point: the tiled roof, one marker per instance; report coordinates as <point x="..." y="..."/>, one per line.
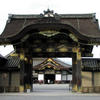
<point x="12" y="62"/>
<point x="37" y="61"/>
<point x="88" y="64"/>
<point x="62" y="63"/>
<point x="85" y="24"/>
<point x="91" y="64"/>
<point x="54" y="63"/>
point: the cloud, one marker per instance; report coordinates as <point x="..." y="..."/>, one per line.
<point x="96" y="52"/>
<point x="6" y="50"/>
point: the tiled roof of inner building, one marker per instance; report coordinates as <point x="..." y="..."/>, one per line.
<point x="61" y="64"/>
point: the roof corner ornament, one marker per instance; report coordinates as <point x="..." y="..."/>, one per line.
<point x="9" y="18"/>
<point x="94" y="17"/>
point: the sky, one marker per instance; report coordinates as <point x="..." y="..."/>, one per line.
<point x="38" y="6"/>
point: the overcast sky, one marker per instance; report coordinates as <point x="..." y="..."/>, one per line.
<point x="37" y="7"/>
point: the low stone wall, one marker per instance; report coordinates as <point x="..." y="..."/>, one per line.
<point x="9" y="83"/>
<point x="91" y="89"/>
<point x="88" y="85"/>
<point x="15" y="79"/>
<point x="9" y="89"/>
<point x="4" y="79"/>
<point x="86" y="79"/>
<point x="96" y="79"/>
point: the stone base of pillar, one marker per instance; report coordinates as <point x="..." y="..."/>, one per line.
<point x="21" y="88"/>
<point x="76" y="88"/>
<point x="28" y="86"/>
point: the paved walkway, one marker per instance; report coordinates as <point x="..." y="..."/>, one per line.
<point x="50" y="90"/>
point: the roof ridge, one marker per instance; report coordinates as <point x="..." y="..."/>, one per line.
<point x="84" y="15"/>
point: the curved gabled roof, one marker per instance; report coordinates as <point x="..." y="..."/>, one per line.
<point x="37" y="61"/>
<point x="85" y="24"/>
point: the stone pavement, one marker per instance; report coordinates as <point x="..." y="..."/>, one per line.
<point x="51" y="90"/>
<point x="48" y="92"/>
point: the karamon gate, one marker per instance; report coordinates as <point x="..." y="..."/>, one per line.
<point x="51" y="35"/>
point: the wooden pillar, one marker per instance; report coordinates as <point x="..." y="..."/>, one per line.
<point x="76" y="70"/>
<point x="28" y="76"/>
<point x="22" y="65"/>
<point x="79" y="65"/>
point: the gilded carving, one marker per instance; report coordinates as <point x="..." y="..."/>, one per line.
<point x="38" y="50"/>
<point x="50" y="50"/>
<point x="73" y="37"/>
<point x="14" y="54"/>
<point x="22" y="56"/>
<point x="49" y="33"/>
<point x="63" y="49"/>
